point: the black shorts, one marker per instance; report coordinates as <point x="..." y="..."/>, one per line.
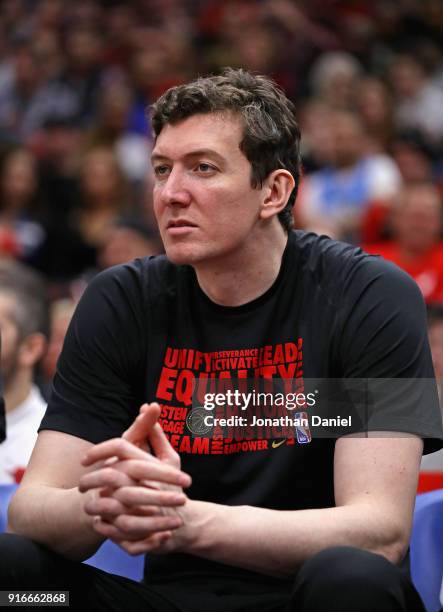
<point x="338" y="579"/>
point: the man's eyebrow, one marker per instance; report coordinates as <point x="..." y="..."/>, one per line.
<point x="192" y="154"/>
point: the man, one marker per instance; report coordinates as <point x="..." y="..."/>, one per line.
<point x="416" y="246"/>
<point x="336" y="198"/>
<point x="238" y="295"/>
<point x="24" y="328"/>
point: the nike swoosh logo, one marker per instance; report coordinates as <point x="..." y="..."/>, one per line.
<point x="276" y="444"/>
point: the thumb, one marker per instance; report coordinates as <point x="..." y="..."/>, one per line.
<point x="141" y="428"/>
<point x="161" y="447"/>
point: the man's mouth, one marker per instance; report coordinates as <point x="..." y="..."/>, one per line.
<point x="180" y="223"/>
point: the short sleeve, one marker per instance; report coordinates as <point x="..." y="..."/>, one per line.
<point x="96" y="391"/>
<point x="383" y="339"/>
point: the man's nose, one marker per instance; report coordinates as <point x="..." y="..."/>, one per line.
<point x="175" y="189"/>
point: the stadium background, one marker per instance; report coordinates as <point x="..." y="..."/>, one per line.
<point x="76" y="79"/>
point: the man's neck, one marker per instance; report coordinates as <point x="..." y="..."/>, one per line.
<point x="244" y="276"/>
<point x="17" y="390"/>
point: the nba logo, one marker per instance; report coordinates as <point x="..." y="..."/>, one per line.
<point x="302" y="431"/>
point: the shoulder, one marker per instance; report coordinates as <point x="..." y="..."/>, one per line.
<point x="147" y="276"/>
<point x="342" y="271"/>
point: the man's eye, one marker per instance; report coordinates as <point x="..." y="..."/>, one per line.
<point x="202" y="167"/>
<point x="161" y="170"/>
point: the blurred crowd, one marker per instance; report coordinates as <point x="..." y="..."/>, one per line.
<point x="77" y="77"/>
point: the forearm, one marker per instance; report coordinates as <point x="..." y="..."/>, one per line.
<point x="278" y="542"/>
<point x="55" y="518"/>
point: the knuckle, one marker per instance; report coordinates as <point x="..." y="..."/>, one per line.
<point x="108" y="506"/>
<point x="126" y="546"/>
<point x="130" y="496"/>
<point x="121" y="445"/>
<point x="124" y="522"/>
<point x="132" y="549"/>
<point x="111" y="477"/>
<point x="174" y="454"/>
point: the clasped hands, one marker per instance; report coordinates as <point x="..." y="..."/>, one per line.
<point x="135" y="493"/>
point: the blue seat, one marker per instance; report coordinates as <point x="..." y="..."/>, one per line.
<point x="427" y="548"/>
<point x="109" y="556"/>
<point x="6" y="492"/>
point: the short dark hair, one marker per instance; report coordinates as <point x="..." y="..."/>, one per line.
<point x="28" y="289"/>
<point x="271" y="136"/>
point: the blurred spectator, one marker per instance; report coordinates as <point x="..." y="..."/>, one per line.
<point x="49" y="14"/>
<point x="63" y="254"/>
<point x="416" y="245"/>
<point x="104" y="194"/>
<point x="113" y="130"/>
<point x="120" y="20"/>
<point x="24" y="331"/>
<point x="128" y="239"/>
<point x="335" y="199"/>
<point x="318" y="135"/>
<point x="45" y="47"/>
<point x="418" y="102"/>
<point x="27" y="100"/>
<point x="18" y="205"/>
<point x="84" y="73"/>
<point x="413" y="156"/>
<point x="374" y="105"/>
<point x="334" y="78"/>
<point x="61" y="312"/>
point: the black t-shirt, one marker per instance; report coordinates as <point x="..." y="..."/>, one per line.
<point x="145" y="331"/>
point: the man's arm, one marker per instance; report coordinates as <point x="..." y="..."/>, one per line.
<point x="48" y="506"/>
<point x="375" y="483"/>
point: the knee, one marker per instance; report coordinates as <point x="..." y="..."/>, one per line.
<point x="344" y="565"/>
<point x="13" y="548"/>
<point x="345" y="578"/>
<point x="23" y="562"/>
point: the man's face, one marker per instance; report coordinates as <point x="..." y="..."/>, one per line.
<point x="10" y="339"/>
<point x="418" y="219"/>
<point x="204" y="203"/>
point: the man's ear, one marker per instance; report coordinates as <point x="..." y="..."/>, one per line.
<point x="278" y="187"/>
<point x="32" y="349"/>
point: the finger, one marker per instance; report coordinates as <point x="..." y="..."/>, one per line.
<point x="125" y="473"/>
<point x="158" y="472"/>
<point x="140" y="527"/>
<point x="116" y="447"/>
<point x="162" y="447"/>
<point x="140" y="429"/>
<point x="126" y="530"/>
<point x="138" y="496"/>
<point x="153" y="544"/>
<point x="110" y="507"/>
<point x="107" y="478"/>
<point x="105" y="507"/>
